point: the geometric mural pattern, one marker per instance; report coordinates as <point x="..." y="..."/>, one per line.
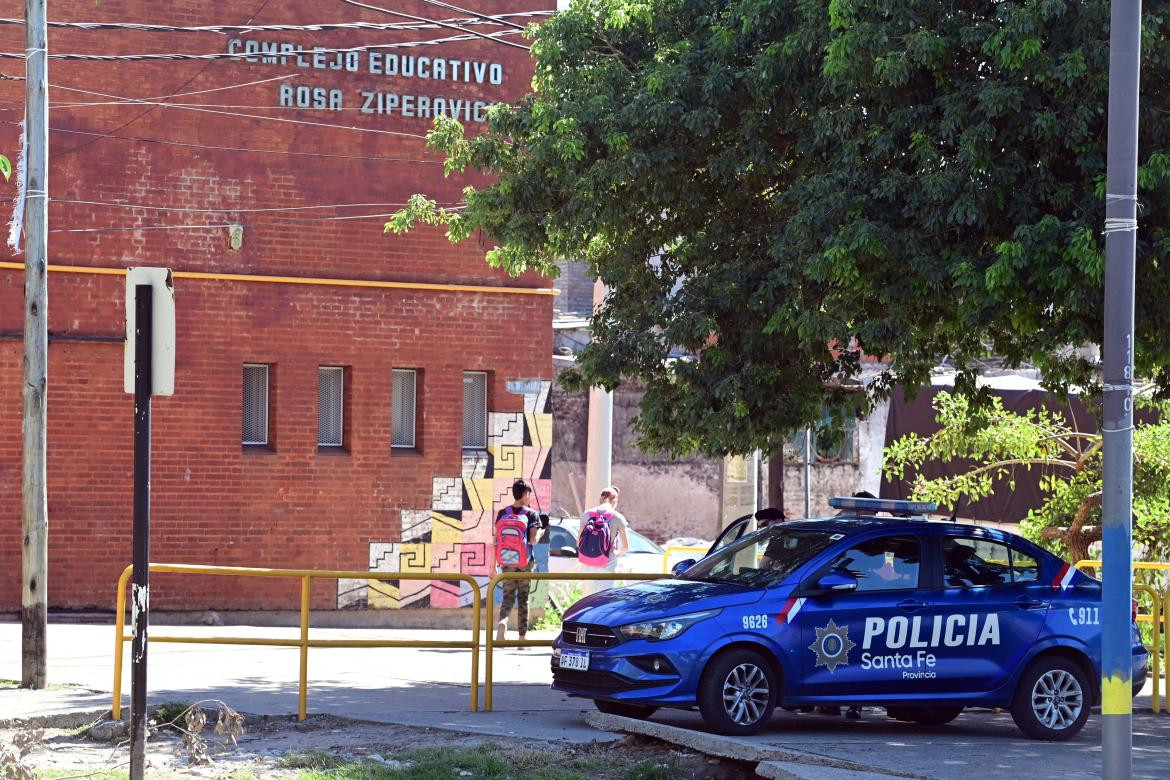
<point x="454" y="534"/>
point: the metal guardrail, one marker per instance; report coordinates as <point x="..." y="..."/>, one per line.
<point x="490" y="644"/>
<point x="674" y="548"/>
<point x="306" y="577"/>
<point x="1159" y="617"/>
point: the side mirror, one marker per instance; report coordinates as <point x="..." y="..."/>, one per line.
<point x="564" y="552"/>
<point x="682" y="566"/>
<point x="835" y="582"/>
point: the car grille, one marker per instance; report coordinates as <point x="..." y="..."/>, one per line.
<point x="595" y="682"/>
<point x="588" y="635"/>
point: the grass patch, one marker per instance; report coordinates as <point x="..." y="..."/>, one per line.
<point x="50" y="687"/>
<point x="314" y="759"/>
<point x="170" y="712"/>
<point x="486" y="762"/>
<point x="650" y="770"/>
<point x="561" y="597"/>
<point x="57" y="774"/>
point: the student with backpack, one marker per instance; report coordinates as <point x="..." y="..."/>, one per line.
<point x="516" y="530"/>
<point x="602" y="538"/>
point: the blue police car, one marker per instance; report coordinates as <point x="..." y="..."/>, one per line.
<point x="922" y="618"/>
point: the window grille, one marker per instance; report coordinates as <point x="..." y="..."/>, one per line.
<point x="330" y="402"/>
<point x="254" y="425"/>
<point x="474" y="410"/>
<point x="402" y="408"/>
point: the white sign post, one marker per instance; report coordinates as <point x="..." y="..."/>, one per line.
<point x="149" y="370"/>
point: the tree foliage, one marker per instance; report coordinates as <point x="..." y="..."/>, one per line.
<point x="759" y="180"/>
<point x="1002" y="444"/>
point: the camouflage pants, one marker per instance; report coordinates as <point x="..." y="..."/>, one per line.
<point x="517" y="591"/>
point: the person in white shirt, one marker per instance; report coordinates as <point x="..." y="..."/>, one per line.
<point x="617" y="532"/>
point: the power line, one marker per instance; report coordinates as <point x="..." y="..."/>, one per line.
<point x="233" y="209"/>
<point x="245" y="116"/>
<point x="496" y="36"/>
<point x="226" y="224"/>
<point x="149" y="110"/>
<point x="232" y="148"/>
<point x="478" y="19"/>
<point x="420" y="19"/>
<point x="457" y="9"/>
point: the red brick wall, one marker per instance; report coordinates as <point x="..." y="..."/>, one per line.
<point x="212" y="501"/>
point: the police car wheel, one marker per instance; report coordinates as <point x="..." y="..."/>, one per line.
<point x="1052" y="699"/>
<point x="639" y="711"/>
<point x="738" y="692"/>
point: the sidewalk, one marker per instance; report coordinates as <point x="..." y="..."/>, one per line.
<point x="426" y="688"/>
<point x="431" y="689"/>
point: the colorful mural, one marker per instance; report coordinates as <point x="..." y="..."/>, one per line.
<point x="454" y="534"/>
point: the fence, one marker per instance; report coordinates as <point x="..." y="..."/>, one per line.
<point x="1159" y="617"/>
<point x="306" y="577"/>
<point x="490" y="644"/>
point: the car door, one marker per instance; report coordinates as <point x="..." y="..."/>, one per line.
<point x="733" y="532"/>
<point x="991" y="608"/>
<point x="562" y="549"/>
<point x="868" y="641"/>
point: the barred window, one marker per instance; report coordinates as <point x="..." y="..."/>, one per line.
<point x="474" y="410"/>
<point x="330" y="403"/>
<point x="254" y="425"/>
<point x="402" y="404"/>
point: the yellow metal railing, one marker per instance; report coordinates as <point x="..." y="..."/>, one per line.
<point x="1159" y="617"/>
<point x="666" y="553"/>
<point x="491" y="643"/>
<point x="306" y="577"/>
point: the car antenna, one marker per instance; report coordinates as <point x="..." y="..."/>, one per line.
<point x="954" y="514"/>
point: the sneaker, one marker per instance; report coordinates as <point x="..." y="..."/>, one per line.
<point x="501" y="630"/>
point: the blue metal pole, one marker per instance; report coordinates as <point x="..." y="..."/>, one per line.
<point x="1117" y="430"/>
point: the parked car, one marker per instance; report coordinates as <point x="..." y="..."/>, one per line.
<point x="643" y="556"/>
<point x="923" y="618"/>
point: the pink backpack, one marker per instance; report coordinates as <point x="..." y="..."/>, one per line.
<point x="595" y="542"/>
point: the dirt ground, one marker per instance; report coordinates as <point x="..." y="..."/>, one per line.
<point x="280" y="747"/>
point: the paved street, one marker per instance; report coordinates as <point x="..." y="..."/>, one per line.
<point x="431" y="688"/>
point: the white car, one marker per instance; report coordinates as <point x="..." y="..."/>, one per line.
<point x="643" y="556"/>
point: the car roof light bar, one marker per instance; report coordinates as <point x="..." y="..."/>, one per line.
<point x="890" y="505"/>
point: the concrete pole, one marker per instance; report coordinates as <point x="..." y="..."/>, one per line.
<point x="34" y="604"/>
<point x="1117" y="428"/>
<point x="599" y="446"/>
<point x="808" y="472"/>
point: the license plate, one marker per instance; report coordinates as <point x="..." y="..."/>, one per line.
<point x="575" y="659"/>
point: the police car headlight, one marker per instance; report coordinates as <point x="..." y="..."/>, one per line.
<point x="667" y="628"/>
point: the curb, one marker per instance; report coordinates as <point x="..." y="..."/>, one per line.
<point x="789" y="770"/>
<point x="772" y="762"/>
<point x="56" y="720"/>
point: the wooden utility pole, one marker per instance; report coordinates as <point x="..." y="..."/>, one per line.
<point x="34" y="604"/>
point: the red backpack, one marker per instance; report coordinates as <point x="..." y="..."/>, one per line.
<point x="512" y="539"/>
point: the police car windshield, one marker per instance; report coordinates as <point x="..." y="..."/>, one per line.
<point x="762" y="558"/>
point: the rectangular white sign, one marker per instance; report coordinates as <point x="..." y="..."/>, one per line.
<point x="163" y="337"/>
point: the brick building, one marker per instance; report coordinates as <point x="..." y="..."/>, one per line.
<point x="344" y="399"/>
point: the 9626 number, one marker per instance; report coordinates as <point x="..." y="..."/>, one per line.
<point x="755" y="621"/>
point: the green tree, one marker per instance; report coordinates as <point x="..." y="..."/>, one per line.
<point x="759" y="180"/>
<point x="999" y="445"/>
